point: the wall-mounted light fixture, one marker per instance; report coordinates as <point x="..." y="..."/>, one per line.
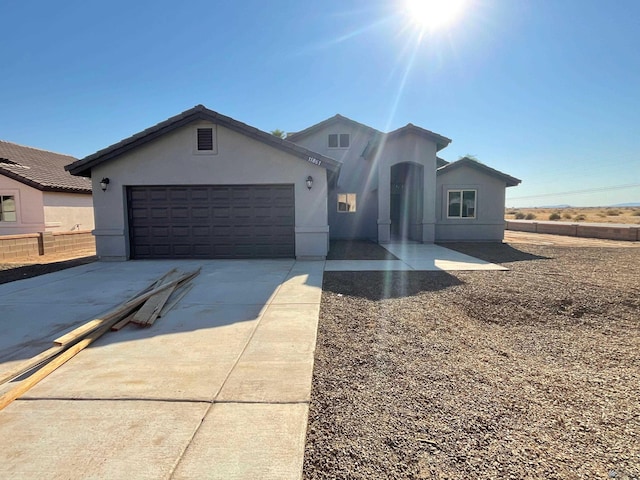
<point x="103" y="183"/>
<point x="309" y="182"/>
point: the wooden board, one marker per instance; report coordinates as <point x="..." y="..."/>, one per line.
<point x="167" y="308"/>
<point x="150" y="310"/>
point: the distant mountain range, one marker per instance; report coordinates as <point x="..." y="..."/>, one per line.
<point x="564" y="205"/>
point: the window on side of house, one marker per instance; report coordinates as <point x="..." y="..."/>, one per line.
<point x="346" y="202"/>
<point x="461" y="204"/>
<point x="339" y="140"/>
<point x="8" y="208"/>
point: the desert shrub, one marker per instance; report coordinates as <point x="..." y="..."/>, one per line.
<point x="512" y="211"/>
<point x="554" y="216"/>
<point x="600" y="214"/>
<point x="567" y="215"/>
<point x="530" y="216"/>
<point x="520" y="215"/>
<point x="580" y="218"/>
<point x="612" y="213"/>
<point x="636" y="213"/>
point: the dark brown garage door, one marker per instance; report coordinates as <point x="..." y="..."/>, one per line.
<point x="212" y="221"/>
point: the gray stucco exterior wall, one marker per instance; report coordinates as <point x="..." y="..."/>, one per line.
<point x="357" y="175"/>
<point x="488" y="224"/>
<point x="415" y="150"/>
<point x="239" y="160"/>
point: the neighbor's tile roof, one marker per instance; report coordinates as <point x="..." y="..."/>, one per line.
<point x="40" y="169"/>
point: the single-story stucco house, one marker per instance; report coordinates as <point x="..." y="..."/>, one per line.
<point x="203" y="185"/>
<point x="38" y="195"/>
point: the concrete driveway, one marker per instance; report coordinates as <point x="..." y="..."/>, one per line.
<point x="218" y="388"/>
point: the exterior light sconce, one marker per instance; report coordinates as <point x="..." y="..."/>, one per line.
<point x="104" y="183"/>
<point x="309" y="182"/>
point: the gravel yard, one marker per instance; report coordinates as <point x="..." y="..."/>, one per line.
<point x="528" y="373"/>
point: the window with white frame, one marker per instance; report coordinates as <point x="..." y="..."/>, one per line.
<point x="346" y="202"/>
<point x="339" y="140"/>
<point x="461" y="204"/>
<point x="8" y="208"/>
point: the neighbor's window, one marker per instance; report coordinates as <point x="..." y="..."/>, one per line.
<point x="339" y="140"/>
<point x="462" y="204"/>
<point x="205" y="139"/>
<point x="8" y="208"/>
<point x="346" y="202"/>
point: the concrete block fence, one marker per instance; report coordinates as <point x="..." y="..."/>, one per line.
<point x="629" y="233"/>
<point x="15" y="247"/>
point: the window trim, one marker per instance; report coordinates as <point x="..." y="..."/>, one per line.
<point x="346" y="202"/>
<point x="461" y="191"/>
<point x="339" y="141"/>
<point x="15" y="206"/>
<point x="214" y="140"/>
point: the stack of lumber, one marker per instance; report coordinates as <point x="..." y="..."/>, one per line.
<point x="143" y="309"/>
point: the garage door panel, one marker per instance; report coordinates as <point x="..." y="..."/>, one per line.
<point x="221" y="212"/>
<point x="212" y="221"/>
<point x="200" y="212"/>
<point x="181" y="232"/>
<point x="201" y="231"/>
<point x="160" y="250"/>
<point x="199" y="194"/>
<point x="179" y="195"/>
<point x="157" y="195"/>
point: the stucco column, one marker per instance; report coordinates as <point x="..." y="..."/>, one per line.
<point x="429" y="205"/>
<point x="384" y="199"/>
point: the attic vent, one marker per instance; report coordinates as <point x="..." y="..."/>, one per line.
<point x="205" y="139"/>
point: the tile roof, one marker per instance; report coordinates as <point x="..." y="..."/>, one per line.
<point x="199" y="112"/>
<point x="439" y="140"/>
<point x="294" y="136"/>
<point x="40" y="169"/>
<point x="440" y="162"/>
<point x="470" y="162"/>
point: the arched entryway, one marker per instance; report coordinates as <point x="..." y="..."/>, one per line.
<point x="405" y="201"/>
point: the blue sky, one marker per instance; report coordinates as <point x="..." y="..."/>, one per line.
<point x="547" y="90"/>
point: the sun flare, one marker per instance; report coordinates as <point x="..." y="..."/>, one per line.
<point x="434" y="14"/>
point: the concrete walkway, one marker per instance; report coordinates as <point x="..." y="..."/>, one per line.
<point x="219" y="388"/>
<point x="415" y="256"/>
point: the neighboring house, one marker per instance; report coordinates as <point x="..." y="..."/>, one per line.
<point x="203" y="185"/>
<point x="394" y="186"/>
<point x="38" y="195"/>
